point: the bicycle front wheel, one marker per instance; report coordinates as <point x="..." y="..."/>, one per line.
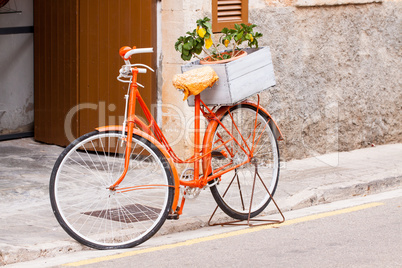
<point x="102" y="218"/>
<point x="243" y="190"/>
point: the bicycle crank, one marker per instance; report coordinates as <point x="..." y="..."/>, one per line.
<point x="190" y="192"/>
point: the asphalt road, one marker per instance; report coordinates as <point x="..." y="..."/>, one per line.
<point x="361" y="232"/>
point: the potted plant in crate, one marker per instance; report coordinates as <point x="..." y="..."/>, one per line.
<point x="200" y="40"/>
<point x="238" y="79"/>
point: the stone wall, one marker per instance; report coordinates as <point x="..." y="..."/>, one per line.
<point x="337" y="69"/>
<point x="339" y="84"/>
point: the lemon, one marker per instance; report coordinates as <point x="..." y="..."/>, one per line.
<point x="208" y="42"/>
<point x="201" y="32"/>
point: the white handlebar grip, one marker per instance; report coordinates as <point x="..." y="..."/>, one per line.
<point x="138" y="51"/>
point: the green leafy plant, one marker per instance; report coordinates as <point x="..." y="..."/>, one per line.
<point x="235" y="37"/>
<point x="200" y="39"/>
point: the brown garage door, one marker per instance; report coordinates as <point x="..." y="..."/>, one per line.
<point x="77" y="61"/>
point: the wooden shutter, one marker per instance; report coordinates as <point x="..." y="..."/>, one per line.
<point x="225" y="13"/>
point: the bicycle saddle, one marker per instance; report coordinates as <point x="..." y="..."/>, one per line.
<point x="194" y="81"/>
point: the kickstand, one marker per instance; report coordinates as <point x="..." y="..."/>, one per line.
<point x="249" y="220"/>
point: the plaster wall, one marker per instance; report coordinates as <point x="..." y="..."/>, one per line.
<point x="16" y="71"/>
<point x="177" y="17"/>
<point x="339" y="85"/>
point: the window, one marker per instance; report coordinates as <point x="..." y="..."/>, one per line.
<point x="225" y="13"/>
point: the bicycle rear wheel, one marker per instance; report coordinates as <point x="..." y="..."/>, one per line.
<point x="102" y="218"/>
<point x="234" y="192"/>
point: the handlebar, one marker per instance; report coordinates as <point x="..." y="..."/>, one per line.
<point x="125" y="73"/>
<point x="126" y="52"/>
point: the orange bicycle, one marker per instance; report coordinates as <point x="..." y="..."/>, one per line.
<point x="115" y="187"/>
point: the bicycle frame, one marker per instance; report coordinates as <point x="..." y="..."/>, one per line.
<point x="152" y="132"/>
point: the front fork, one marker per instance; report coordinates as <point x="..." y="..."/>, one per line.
<point x="130" y="115"/>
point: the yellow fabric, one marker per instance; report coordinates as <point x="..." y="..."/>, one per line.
<point x="194" y="81"/>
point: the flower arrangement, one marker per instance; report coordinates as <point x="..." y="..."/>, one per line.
<point x="200" y="40"/>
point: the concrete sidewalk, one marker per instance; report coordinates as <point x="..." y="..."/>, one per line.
<point x="29" y="230"/>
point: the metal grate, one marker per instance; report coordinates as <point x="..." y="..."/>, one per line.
<point x="128" y="214"/>
<point x="3" y="2"/>
<point x="5" y="7"/>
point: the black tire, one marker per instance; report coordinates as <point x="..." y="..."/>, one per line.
<point x="101" y="218"/>
<point x="233" y="192"/>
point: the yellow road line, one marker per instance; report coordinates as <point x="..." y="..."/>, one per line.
<point x="224" y="235"/>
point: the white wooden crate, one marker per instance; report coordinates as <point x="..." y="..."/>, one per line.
<point x="238" y="79"/>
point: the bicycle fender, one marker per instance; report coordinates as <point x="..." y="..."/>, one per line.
<point x="162" y="149"/>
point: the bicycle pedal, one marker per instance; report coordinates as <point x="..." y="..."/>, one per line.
<point x="174" y="216"/>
